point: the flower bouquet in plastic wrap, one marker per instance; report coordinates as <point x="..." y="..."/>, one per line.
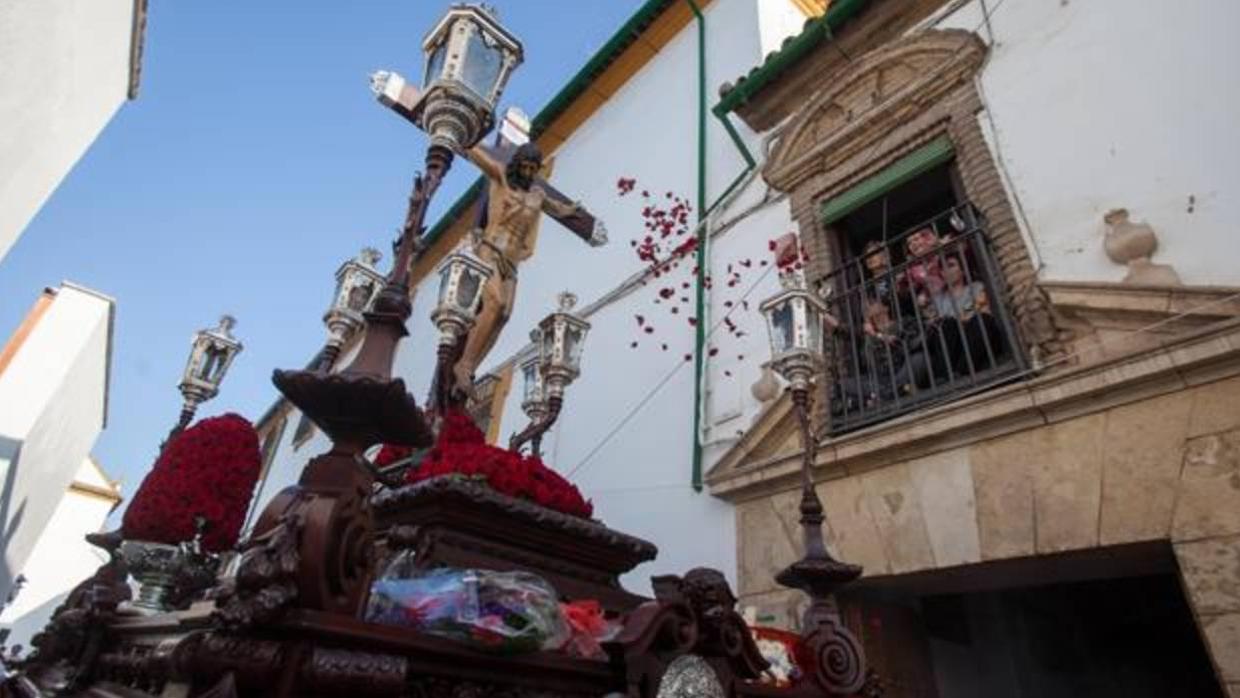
<point x="501" y="612"/>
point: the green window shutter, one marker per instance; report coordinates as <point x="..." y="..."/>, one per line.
<point x="932" y="154"/>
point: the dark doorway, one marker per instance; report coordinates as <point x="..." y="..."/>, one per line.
<point x="1124" y="637"/>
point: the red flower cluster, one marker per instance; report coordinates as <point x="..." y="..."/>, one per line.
<point x="208" y="470"/>
<point x="462" y="450"/>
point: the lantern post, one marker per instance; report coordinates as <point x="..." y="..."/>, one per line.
<point x="461" y="279"/>
<point x="794" y="320"/>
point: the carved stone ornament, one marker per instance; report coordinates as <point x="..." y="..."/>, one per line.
<point x="1132" y="244"/>
<point x="766" y="388"/>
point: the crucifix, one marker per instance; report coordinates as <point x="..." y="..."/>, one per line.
<point x="507" y="225"/>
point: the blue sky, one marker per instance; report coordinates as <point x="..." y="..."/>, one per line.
<point x="254" y="161"/>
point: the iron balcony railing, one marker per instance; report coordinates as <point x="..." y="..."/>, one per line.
<point x="915" y="320"/>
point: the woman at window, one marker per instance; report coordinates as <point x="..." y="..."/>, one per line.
<point x="967" y="323"/>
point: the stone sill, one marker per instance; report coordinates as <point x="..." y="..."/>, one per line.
<point x="1200" y="356"/>
<point x="1206" y="302"/>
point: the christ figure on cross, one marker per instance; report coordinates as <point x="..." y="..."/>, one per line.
<point x="516" y="198"/>
<point x="508" y="223"/>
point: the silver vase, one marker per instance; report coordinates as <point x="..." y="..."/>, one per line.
<point x="167" y="575"/>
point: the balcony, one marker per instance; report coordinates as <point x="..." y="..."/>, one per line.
<point x="916" y="320"/>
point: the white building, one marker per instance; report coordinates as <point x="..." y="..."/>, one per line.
<point x="54" y="375"/>
<point x="62" y="558"/>
<point x="1101" y="443"/>
<point x="65" y="69"/>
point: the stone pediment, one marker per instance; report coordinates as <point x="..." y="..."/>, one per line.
<point x="883" y="89"/>
<point x="774" y="434"/>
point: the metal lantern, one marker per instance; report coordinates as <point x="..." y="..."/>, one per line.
<point x="533" y="402"/>
<point x="794" y="319"/>
<point x="469" y="57"/>
<point x="357" y="284"/>
<point x="461" y="278"/>
<point x="561" y="337"/>
<point x="211" y="354"/>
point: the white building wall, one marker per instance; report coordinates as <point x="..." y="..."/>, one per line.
<point x="1108" y="104"/>
<point x="61" y="559"/>
<point x="53" y="400"/>
<point x="64" y="71"/>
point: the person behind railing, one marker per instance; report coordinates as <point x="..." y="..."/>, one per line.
<point x="924" y="259"/>
<point x="891" y="358"/>
<point x="966" y="322"/>
<point x="925" y="271"/>
<point x="882" y="281"/>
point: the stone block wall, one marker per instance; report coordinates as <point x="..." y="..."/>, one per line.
<point x="1161" y="468"/>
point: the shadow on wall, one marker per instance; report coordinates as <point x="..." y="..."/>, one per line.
<point x="10" y="452"/>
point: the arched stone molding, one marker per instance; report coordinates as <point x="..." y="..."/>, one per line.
<point x="883" y="106"/>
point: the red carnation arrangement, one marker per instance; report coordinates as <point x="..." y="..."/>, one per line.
<point x="208" y="470"/>
<point x="462" y="450"/>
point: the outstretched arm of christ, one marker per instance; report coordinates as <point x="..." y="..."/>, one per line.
<point x="573" y="216"/>
<point x="484" y="159"/>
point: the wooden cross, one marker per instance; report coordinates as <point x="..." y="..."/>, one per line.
<point x="394" y="93"/>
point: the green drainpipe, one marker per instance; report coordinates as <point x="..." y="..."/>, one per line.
<point x="699" y="341"/>
<point x="699" y="353"/>
<point x="839" y="12"/>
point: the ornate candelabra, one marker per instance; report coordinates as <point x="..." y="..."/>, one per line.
<point x="794" y="320"/>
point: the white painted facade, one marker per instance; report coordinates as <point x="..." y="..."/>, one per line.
<point x="1091" y="106"/>
<point x="64" y="71"/>
<point x="62" y="558"/>
<point x="1108" y="104"/>
<point x="53" y="404"/>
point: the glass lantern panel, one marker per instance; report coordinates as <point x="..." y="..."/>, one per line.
<point x="434" y="64"/>
<point x="798" y="322"/>
<point x="573" y="342"/>
<point x="530" y="371"/>
<point x="359" y="294"/>
<point x="212" y="361"/>
<point x="341" y="297"/>
<point x="483" y="62"/>
<point x="782" y="328"/>
<point x="814" y="320"/>
<point x="468" y="295"/>
<point x="445" y="279"/>
<point x="547" y="351"/>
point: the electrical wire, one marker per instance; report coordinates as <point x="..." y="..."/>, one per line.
<point x="659" y="386"/>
